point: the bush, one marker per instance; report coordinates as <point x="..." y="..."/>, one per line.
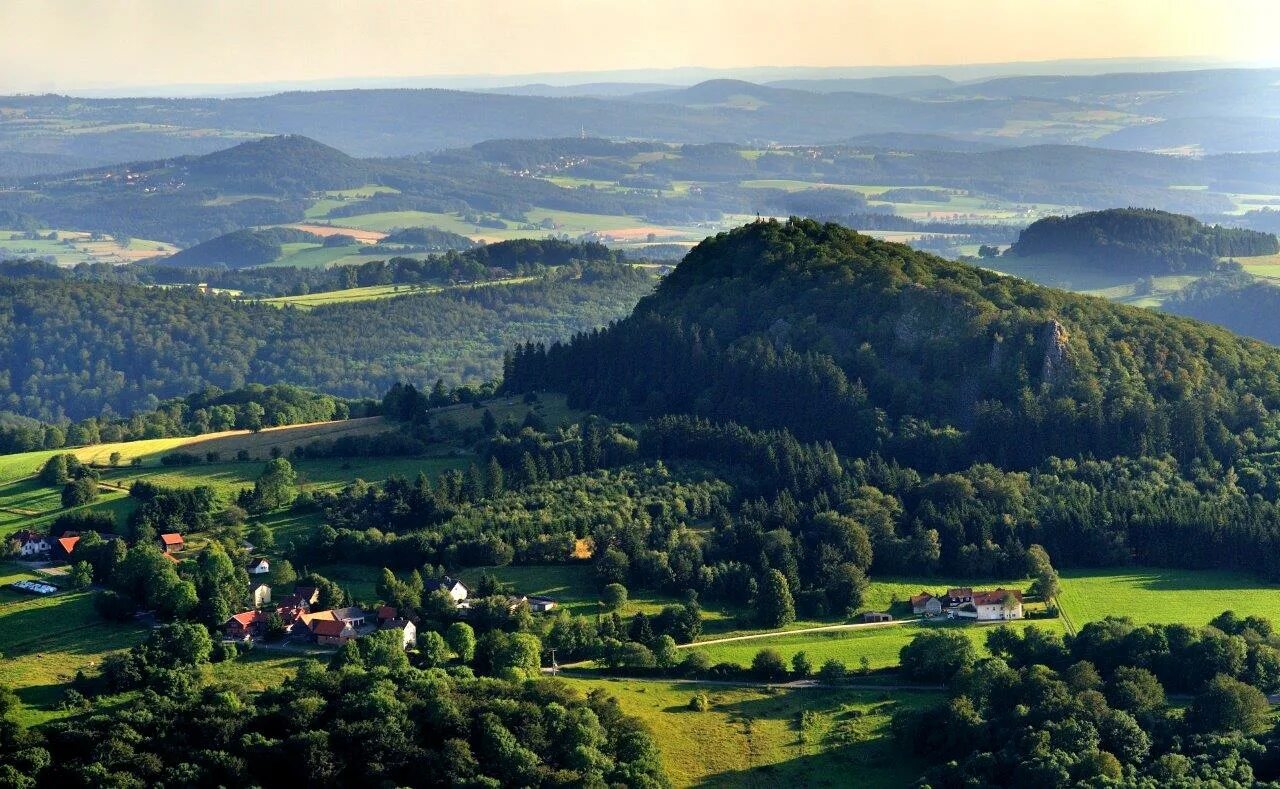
<point x="80" y="491"/>
<point x="832" y="671"/>
<point x="800" y="664"/>
<point x="614" y="596"/>
<point x="936" y="656"/>
<point x="695" y="663"/>
<point x="180" y="459"/>
<point x="224" y="650"/>
<point x="768" y="665"/>
<point x="699" y="702"/>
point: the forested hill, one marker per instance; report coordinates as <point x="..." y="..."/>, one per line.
<point x="1244" y="304"/>
<point x="75" y="349"/>
<point x="875" y="346"/>
<point x="1140" y="241"/>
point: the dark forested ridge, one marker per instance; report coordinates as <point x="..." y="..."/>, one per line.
<point x="1140" y="241"/>
<point x="72" y="348"/>
<point x="874" y="346"/>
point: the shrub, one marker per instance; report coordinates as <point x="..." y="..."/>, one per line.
<point x="768" y="665"/>
<point x="699" y="702"/>
<point x="832" y="671"/>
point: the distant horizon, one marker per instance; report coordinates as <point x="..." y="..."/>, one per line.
<point x="131" y="46"/>
<point x="676" y="76"/>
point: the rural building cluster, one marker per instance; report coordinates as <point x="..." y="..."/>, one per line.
<point x="964" y="603"/>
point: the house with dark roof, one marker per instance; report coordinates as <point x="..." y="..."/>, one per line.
<point x="456" y="589"/>
<point x="408" y="630"/>
<point x="926" y="604"/>
<point x="31" y="544"/>
<point x="539" y="604"/>
<point x="957" y="596"/>
<point x="258" y="565"/>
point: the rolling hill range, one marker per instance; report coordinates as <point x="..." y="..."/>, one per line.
<point x="624" y="193"/>
<point x="384" y="122"/>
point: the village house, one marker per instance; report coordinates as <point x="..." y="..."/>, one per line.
<point x="539" y="604"/>
<point x="64" y="546"/>
<point x="245" y="625"/>
<point x="927" y="604"/>
<point x="260" y="595"/>
<point x="957" y="597"/>
<point x="353" y="621"/>
<point x="998" y="604"/>
<point x="408" y="630"/>
<point x="171" y="542"/>
<point x="258" y="565"/>
<point x="334" y="633"/>
<point x="456" y="589"/>
<point x="31" y="544"/>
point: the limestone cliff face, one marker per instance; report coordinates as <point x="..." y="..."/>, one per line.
<point x="1057" y="364"/>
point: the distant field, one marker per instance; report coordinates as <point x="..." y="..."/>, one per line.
<point x="74" y="247"/>
<point x="381" y="292"/>
<point x="315" y="256"/>
<point x="754" y="737"/>
<point x="1262" y="266"/>
<point x="1192" y="597"/>
<point x="620" y="229"/>
<point x="228" y="443"/>
<point x="1068" y="273"/>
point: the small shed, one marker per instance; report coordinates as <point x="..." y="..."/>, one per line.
<point x="877" y="616"/>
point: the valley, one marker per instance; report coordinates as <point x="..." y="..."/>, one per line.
<point x="464" y="395"/>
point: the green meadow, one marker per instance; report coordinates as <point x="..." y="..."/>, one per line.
<point x="769" y="737"/>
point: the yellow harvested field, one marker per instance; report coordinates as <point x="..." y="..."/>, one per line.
<point x="227" y="443"/>
<point x="363" y="236"/>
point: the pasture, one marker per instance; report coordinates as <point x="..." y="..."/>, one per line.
<point x="45" y="640"/>
<point x="769" y="737"/>
<point x="1146" y="594"/>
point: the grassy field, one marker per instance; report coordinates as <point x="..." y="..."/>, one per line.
<point x="227" y="443"/>
<point x="1160" y="595"/>
<point x="45" y="640"/>
<point x="1068" y="273"/>
<point x="879" y="645"/>
<point x="1267" y="266"/>
<point x="259" y="669"/>
<point x="381" y="292"/>
<point x="757" y="737"/>
<point x="315" y="256"/>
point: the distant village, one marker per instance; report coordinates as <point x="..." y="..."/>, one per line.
<point x="295" y="618"/>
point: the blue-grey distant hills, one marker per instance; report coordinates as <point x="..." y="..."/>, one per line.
<point x="1147" y="111"/>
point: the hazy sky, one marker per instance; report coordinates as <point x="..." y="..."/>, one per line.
<point x="70" y="44"/>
